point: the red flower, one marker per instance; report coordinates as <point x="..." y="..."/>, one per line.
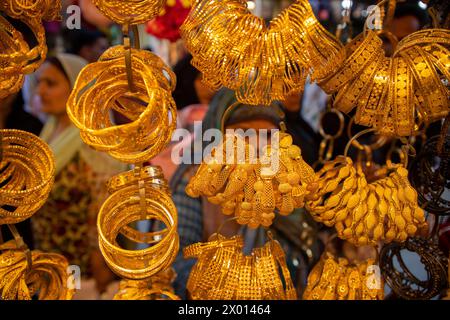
<point x="167" y="25"/>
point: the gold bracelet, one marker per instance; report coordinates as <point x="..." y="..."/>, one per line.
<point x="338" y="279"/>
<point x="46" y="276"/>
<point x="147" y="173"/>
<point x="433" y="94"/>
<point x="27" y="175"/>
<point x="130" y="11"/>
<point x="266" y="63"/>
<point x="124" y="207"/>
<point x="360" y="52"/>
<point x="224" y="272"/>
<point x="150" y="107"/>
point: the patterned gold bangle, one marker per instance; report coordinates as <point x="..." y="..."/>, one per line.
<point x="130" y="11"/>
<point x="360" y="54"/>
<point x="337" y="279"/>
<point x="12" y="47"/>
<point x="265" y="63"/>
<point x="433" y="94"/>
<point x="32" y="12"/>
<point x="224" y="272"/>
<point x="124" y="207"/>
<point x="370" y="102"/>
<point x="150" y="107"/>
<point x="398" y="113"/>
<point x="423" y="38"/>
<point x="348" y="97"/>
<point x="124" y="179"/>
<point x="27" y="175"/>
<point x="47" y="276"/>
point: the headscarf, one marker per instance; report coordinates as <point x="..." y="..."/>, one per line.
<point x="69" y="142"/>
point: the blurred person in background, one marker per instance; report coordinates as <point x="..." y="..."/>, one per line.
<point x="66" y="223"/>
<point x="88" y="44"/>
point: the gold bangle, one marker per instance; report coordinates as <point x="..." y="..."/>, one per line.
<point x="27" y="175"/>
<point x="151" y="126"/>
<point x="286" y="49"/>
<point x="152" y="173"/>
<point x="47" y="276"/>
<point x="348" y="97"/>
<point x="338" y="279"/>
<point x="360" y="52"/>
<point x="124" y="207"/>
<point x="130" y="11"/>
<point x="224" y="272"/>
<point x="433" y="95"/>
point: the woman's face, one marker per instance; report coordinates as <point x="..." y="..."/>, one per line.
<point x="53" y="89"/>
<point x="204" y="93"/>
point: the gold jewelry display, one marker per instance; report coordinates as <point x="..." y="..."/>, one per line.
<point x="141" y="201"/>
<point x="16" y="58"/>
<point x="146" y="100"/>
<point x="27" y="173"/>
<point x="235" y="49"/>
<point x="24" y="273"/>
<point x="252" y="187"/>
<point x="223" y="272"/>
<point x="338" y="279"/>
<point x="155" y="288"/>
<point x="394" y="94"/>
<point x="130" y="11"/>
<point x="365" y="213"/>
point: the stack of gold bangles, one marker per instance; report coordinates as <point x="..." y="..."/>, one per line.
<point x="16" y="58"/>
<point x="158" y="287"/>
<point x="252" y="188"/>
<point x="394" y="94"/>
<point x="103" y="86"/>
<point x="235" y="49"/>
<point x="130" y="11"/>
<point x="340" y="280"/>
<point x="26" y="175"/>
<point x="141" y="199"/>
<point x="223" y="272"/>
<point x="22" y="276"/>
<point x="365" y="213"/>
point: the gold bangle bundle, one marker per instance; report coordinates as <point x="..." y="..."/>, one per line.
<point x="147" y="174"/>
<point x="130" y="11"/>
<point x="338" y="279"/>
<point x="394" y="95"/>
<point x="365" y="213"/>
<point x="150" y="106"/>
<point x="253" y="190"/>
<point x="11" y="44"/>
<point x="223" y="272"/>
<point x="16" y="58"/>
<point x="26" y="175"/>
<point x="235" y="49"/>
<point x="44" y="274"/>
<point x="155" y="288"/>
<point x="133" y="203"/>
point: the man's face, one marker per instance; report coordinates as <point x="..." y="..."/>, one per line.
<point x="403" y="26"/>
<point x="400" y="28"/>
